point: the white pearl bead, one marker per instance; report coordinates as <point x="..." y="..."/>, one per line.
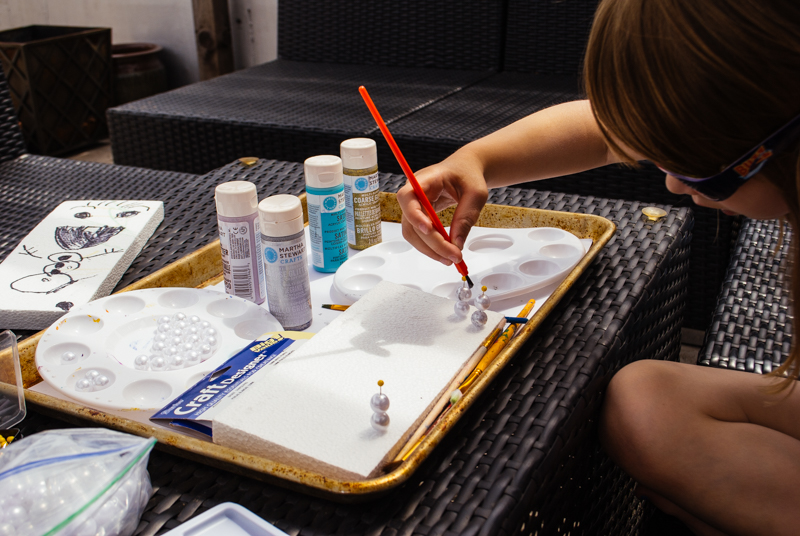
<point x="379" y="402"/>
<point x="141" y="362"/>
<point x="464" y="293"/>
<point x="479" y="319"/>
<point x="380" y="421"/>
<point x="158" y="363"/>
<point x="179" y="317"/>
<point x="164" y="319"/>
<point x="461" y="308"/>
<point x="483" y="302"/>
<point x="102" y="381"/>
<point x="69" y="357"/>
<point x="194" y="319"/>
<point x="83" y="385"/>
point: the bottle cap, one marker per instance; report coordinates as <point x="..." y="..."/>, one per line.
<point x="280" y="215"/>
<point x="323" y="171"/>
<point x="359" y="153"/>
<point x="236" y="198"/>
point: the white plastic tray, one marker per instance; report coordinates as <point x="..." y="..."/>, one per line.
<point x="509" y="262"/>
<point x="107" y="336"/>
<point x="226" y="519"/>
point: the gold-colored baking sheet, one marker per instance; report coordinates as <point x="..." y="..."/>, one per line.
<point x="204" y="267"/>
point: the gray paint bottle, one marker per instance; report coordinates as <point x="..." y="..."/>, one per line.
<point x="240" y="240"/>
<point x="283" y="245"/>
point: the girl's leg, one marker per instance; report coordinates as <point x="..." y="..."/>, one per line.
<point x="668" y="507"/>
<point x="710" y="442"/>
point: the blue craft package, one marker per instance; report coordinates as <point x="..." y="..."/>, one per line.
<point x="194" y="410"/>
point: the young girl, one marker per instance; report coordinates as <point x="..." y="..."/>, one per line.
<point x="710" y="92"/>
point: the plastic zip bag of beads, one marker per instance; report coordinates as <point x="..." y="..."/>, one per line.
<point x="77" y="481"/>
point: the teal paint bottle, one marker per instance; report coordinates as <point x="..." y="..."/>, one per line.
<point x="327" y="218"/>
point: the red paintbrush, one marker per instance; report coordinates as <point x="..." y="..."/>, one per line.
<point x="423" y="199"/>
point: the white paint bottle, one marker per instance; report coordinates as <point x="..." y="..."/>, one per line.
<point x="240" y="240"/>
<point x="362" y="192"/>
<point x="283" y="243"/>
<point x="327" y="225"/>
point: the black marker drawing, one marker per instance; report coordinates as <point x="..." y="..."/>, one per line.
<point x="53" y="276"/>
<point x="32" y="252"/>
<point x="126" y="209"/>
<point x="65" y="305"/>
<point x="72" y="238"/>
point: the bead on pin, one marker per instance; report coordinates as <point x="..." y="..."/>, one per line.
<point x="482" y="303"/>
<point x="379" y="404"/>
<point x="464" y="293"/>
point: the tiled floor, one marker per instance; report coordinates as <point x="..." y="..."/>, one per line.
<point x="691" y="339"/>
<point x="100" y="153"/>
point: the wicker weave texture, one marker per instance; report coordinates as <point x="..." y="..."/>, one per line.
<point x="11" y="143"/>
<point x="547" y="36"/>
<point x="752" y="325"/>
<point x="526" y="454"/>
<point x="446" y="34"/>
<point x="283" y="110"/>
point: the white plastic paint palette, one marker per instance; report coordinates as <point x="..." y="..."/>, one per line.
<point x="94" y="354"/>
<point x="509" y="262"/>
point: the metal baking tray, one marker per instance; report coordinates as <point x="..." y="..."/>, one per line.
<point x="204" y="267"/>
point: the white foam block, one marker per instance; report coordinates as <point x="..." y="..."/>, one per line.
<point x="312" y="410"/>
<point x="76" y="254"/>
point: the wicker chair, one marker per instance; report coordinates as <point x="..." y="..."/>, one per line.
<point x="752" y="326"/>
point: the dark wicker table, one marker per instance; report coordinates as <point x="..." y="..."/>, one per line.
<point x="525" y="457"/>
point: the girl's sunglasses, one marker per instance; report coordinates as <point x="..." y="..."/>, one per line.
<point x="723" y="185"/>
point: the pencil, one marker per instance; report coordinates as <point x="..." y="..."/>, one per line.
<point x="434" y="414"/>
<point x="495" y="349"/>
<point x="335" y="307"/>
<point x="487" y="358"/>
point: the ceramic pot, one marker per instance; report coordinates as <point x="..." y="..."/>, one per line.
<point x="138" y="71"/>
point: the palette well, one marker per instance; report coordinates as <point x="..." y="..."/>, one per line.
<point x="140" y="349"/>
<point x="509" y="262"/>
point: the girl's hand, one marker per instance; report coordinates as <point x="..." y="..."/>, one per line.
<point x="459" y="181"/>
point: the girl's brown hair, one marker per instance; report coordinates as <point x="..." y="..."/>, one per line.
<point x="693" y="85"/>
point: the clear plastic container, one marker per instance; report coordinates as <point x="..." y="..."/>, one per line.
<point x="12" y="397"/>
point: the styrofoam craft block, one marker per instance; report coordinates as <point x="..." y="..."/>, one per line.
<point x="76" y="254"/>
<point x="313" y="411"/>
